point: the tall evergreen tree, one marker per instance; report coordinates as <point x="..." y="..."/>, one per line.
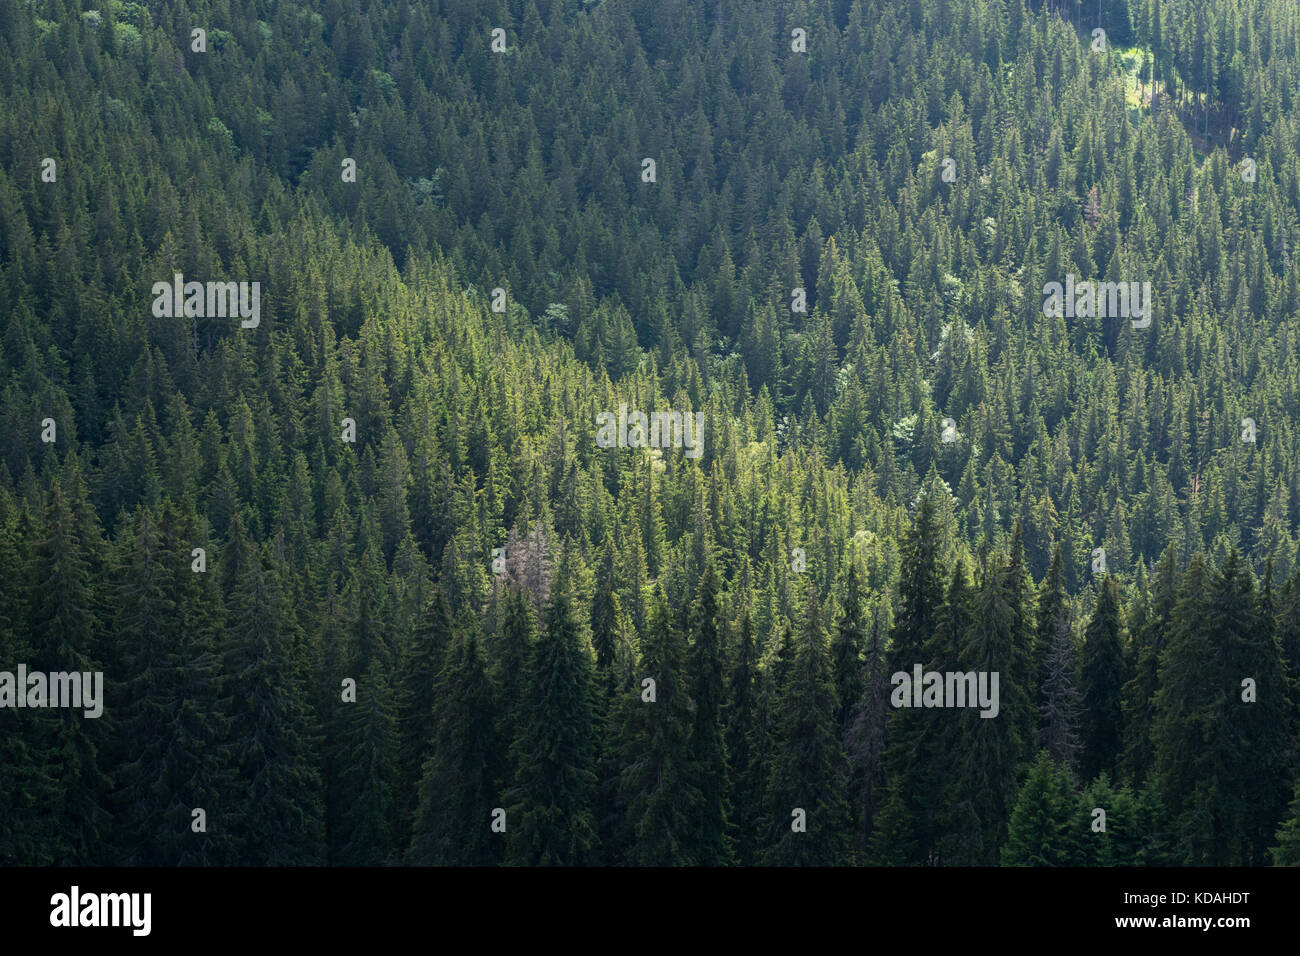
<point x="990" y="751"/>
<point x="551" y="807"/>
<point x="26" y="777"/>
<point x="920" y="586"/>
<point x="1044" y="822"/>
<point x="866" y="737"/>
<point x="711" y="846"/>
<point x="745" y="763"/>
<point x="422" y="657"/>
<point x="922" y="748"/>
<point x="809" y="817"/>
<point x="174" y="755"/>
<point x="1286" y="851"/>
<point x="604" y="627"/>
<point x="1052" y="604"/>
<point x="1150" y="639"/>
<point x="278" y="816"/>
<point x="458" y="792"/>
<point x="1220" y="745"/>
<point x="658" y="787"/>
<point x="1102" y="684"/>
<point x="65" y="631"/>
<point x="366" y="773"/>
<point x="846" y="648"/>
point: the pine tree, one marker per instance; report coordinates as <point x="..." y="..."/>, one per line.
<point x="922" y="749"/>
<point x="657" y="787"/>
<point x="708" y="749"/>
<point x="1286" y="852"/>
<point x="1150" y="639"/>
<point x="745" y="763"/>
<point x="64" y="632"/>
<point x="278" y="816"/>
<point x="1102" y="684"/>
<point x="550" y="808"/>
<point x="808" y="767"/>
<point x="458" y="792"/>
<point x="846" y="648"/>
<point x="422" y="657"/>
<point x="1220" y="758"/>
<point x="865" y="738"/>
<point x="367" y="772"/>
<point x="1043" y="827"/>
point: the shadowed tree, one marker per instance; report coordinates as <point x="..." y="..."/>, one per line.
<point x="708" y="747"/>
<point x="1102" y="684"/>
<point x="551" y="806"/>
<point x="809" y="817"/>
<point x="658" y="781"/>
<point x="458" y="792"/>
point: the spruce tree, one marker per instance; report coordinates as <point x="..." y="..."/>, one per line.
<point x="745" y="764"/>
<point x="147" y="623"/>
<point x="422" y="656"/>
<point x="865" y="738"/>
<point x="175" y="755"/>
<point x="458" y="792"/>
<point x="1219" y="754"/>
<point x="1257" y="729"/>
<point x="64" y="629"/>
<point x="846" y="648"/>
<point x="1061" y="705"/>
<point x="1288" y="638"/>
<point x="550" y="812"/>
<point x="202" y="730"/>
<point x="708" y="749"/>
<point x="658" y="780"/>
<point x="604" y="627"/>
<point x="922" y="748"/>
<point x="1043" y="826"/>
<point x="1286" y="850"/>
<point x="773" y="671"/>
<point x="1052" y="604"/>
<point x="1149" y="641"/>
<point x="1102" y="685"/>
<point x="1125" y="839"/>
<point x="808" y="815"/>
<point x="988" y="761"/>
<point x="920" y="586"/>
<point x="26" y="775"/>
<point x="509" y="669"/>
<point x="278" y="815"/>
<point x="367" y="772"/>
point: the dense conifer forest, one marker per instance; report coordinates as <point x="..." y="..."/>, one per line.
<point x="384" y="560"/>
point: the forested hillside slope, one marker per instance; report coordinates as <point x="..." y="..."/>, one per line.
<point x="366" y="579"/>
